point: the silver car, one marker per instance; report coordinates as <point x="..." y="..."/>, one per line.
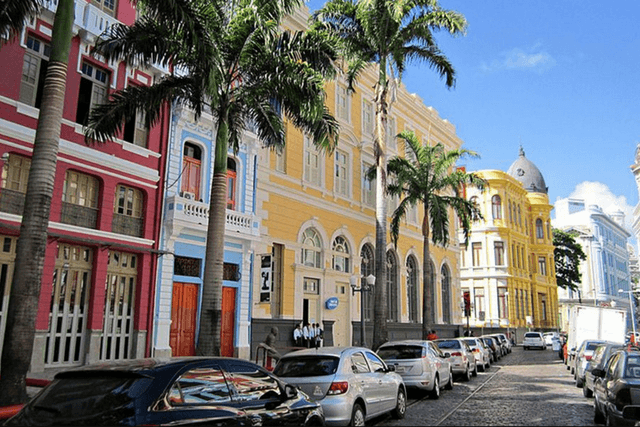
<point x="462" y="359"/>
<point x="352" y="384"/>
<point x="421" y="364"/>
<point x="480" y="352"/>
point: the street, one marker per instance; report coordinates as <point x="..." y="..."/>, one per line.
<point x="530" y="387"/>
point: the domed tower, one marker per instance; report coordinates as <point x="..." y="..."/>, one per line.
<point x="528" y="174"/>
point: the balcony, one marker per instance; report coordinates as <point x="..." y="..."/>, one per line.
<point x="197" y="213"/>
<point x="79" y="215"/>
<point x="11" y="201"/>
<point x="128" y="225"/>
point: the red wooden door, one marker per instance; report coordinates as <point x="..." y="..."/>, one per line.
<point x="184" y="308"/>
<point x="228" y="320"/>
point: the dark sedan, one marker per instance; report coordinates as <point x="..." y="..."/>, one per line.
<point x="175" y="391"/>
<point x="600" y="356"/>
<point x="617" y="388"/>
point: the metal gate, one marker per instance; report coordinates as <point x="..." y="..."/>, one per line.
<point x="69" y="304"/>
<point x="117" y="334"/>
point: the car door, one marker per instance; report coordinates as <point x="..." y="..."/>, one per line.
<point x="386" y="391"/>
<point x="601" y="384"/>
<point x="368" y="382"/>
<point x="442" y="365"/>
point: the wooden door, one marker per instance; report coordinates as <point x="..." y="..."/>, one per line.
<point x="184" y="308"/>
<point x="228" y="320"/>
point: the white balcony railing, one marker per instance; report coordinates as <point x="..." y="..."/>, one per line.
<point x="194" y="212"/>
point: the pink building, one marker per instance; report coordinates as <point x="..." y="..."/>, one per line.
<point x="99" y="275"/>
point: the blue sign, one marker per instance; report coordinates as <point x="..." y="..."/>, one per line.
<point x="331" y="303"/>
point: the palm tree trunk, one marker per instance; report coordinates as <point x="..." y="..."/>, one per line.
<point x="209" y="338"/>
<point x="428" y="318"/>
<point x="27" y="279"/>
<point x="381" y="309"/>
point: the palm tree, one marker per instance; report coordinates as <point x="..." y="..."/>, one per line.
<point x="428" y="177"/>
<point x="388" y="35"/>
<point x="237" y="62"/>
<point x="32" y="242"/>
<point x="14" y="14"/>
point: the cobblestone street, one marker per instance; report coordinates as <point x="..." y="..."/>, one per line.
<point x="524" y="388"/>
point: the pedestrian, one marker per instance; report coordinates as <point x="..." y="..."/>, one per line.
<point x="305" y="335"/>
<point x="297" y="335"/>
<point x="432" y="335"/>
<point x="319" y="335"/>
<point x="312" y="336"/>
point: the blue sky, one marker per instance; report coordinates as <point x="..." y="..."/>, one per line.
<point x="560" y="77"/>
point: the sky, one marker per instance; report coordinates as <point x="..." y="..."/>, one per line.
<point x="559" y="77"/>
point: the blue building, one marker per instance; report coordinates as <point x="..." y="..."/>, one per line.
<point x="183" y="239"/>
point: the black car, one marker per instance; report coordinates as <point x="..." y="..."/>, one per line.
<point x="617" y="388"/>
<point x="600" y="356"/>
<point x="494" y="345"/>
<point x="175" y="391"/>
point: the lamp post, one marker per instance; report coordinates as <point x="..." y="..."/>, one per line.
<point x="367" y="286"/>
<point x="632" y="309"/>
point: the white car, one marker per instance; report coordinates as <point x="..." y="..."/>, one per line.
<point x="549" y="337"/>
<point x="534" y="340"/>
<point x="480" y="352"/>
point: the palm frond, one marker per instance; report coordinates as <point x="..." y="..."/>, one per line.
<point x="14" y="14"/>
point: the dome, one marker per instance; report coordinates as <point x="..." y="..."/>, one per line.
<point x="528" y="174"/>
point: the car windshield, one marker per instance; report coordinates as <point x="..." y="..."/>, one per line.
<point x="531" y="335"/>
<point x="448" y="344"/>
<point x="400" y="352"/>
<point x="89" y="397"/>
<point x="592" y="346"/>
<point x="471" y="342"/>
<point x="306" y="366"/>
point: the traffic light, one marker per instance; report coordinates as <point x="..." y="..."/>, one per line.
<point x="467" y="303"/>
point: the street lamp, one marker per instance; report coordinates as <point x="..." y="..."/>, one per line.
<point x="632" y="309"/>
<point x="370" y="282"/>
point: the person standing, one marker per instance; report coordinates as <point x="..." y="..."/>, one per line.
<point x="305" y="335"/>
<point x="297" y="335"/>
<point x="318" y="334"/>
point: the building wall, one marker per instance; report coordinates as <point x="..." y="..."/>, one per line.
<point x="96" y="251"/>
<point x="514" y="293"/>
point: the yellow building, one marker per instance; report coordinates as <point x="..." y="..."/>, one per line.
<point x="508" y="266"/>
<point x="318" y="227"/>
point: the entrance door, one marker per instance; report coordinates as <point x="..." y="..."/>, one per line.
<point x="184" y="308"/>
<point x="228" y="323"/>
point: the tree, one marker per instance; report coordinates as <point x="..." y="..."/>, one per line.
<point x="429" y="178"/>
<point x="567" y="255"/>
<point x="32" y="242"/>
<point x="388" y="35"/>
<point x="234" y="59"/>
<point x="14" y="14"/>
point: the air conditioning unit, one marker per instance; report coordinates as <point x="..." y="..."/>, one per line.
<point x="188" y="196"/>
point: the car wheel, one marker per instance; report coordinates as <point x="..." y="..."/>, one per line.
<point x="435" y="393"/>
<point x="526" y="348"/>
<point x="401" y="403"/>
<point x="579" y="383"/>
<point x="357" y="415"/>
<point x="481" y="368"/>
<point x="598" y="417"/>
<point x="449" y="385"/>
<point x="467" y="374"/>
<point x="475" y="370"/>
<point x="586" y="392"/>
<point x="608" y="420"/>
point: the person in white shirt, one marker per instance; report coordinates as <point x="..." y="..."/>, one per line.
<point x="305" y="334"/>
<point x="312" y="336"/>
<point x="297" y="335"/>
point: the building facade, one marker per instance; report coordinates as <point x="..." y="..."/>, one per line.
<point x="606" y="270"/>
<point x="98" y="281"/>
<point x="185" y="221"/>
<point x="318" y="226"/>
<point x="507" y="269"/>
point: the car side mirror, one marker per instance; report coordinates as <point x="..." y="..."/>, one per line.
<point x="290" y="391"/>
<point x="391" y="368"/>
<point x="597" y="372"/>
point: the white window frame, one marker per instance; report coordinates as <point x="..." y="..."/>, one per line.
<point x="368" y="187"/>
<point x="36" y="51"/>
<point x="343" y="103"/>
<point x="312" y="163"/>
<point x="341" y="173"/>
<point x="341" y="258"/>
<point x="368" y="118"/>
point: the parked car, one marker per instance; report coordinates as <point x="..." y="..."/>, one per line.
<point x="169" y="392"/>
<point x="583" y="356"/>
<point x="505" y="342"/>
<point x="462" y="359"/>
<point x="353" y="384"/>
<point x="533" y="339"/>
<point x="600" y="356"/>
<point x="480" y="353"/>
<point x="421" y="364"/>
<point x="494" y="346"/>
<point x="549" y="336"/>
<point x="617" y="389"/>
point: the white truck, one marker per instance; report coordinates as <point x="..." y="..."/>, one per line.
<point x="594" y="323"/>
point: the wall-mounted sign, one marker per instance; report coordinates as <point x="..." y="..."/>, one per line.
<point x="332" y="303"/>
<point x="265" y="278"/>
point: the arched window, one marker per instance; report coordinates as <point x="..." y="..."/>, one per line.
<point x="412" y="288"/>
<point x="519" y="216"/>
<point x="446" y="291"/>
<point x="311" y="249"/>
<point x="367" y="267"/>
<point x="340" y="250"/>
<point x="496" y="207"/>
<point x="539" y="229"/>
<point x="191" y="171"/>
<point x="510" y="212"/>
<point x="432" y="284"/>
<point x="392" y="286"/>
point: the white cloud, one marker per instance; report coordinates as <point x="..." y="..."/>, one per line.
<point x="597" y="193"/>
<point x="534" y="59"/>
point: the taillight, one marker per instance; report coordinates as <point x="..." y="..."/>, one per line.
<point x="587" y="358"/>
<point x="339" y="387"/>
<point x="457" y="353"/>
<point x="476" y="350"/>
